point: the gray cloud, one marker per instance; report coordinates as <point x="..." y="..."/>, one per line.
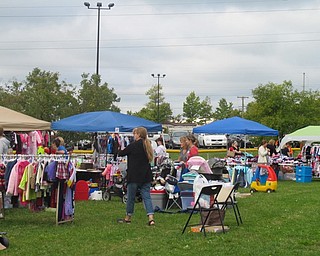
<point x="220" y="49"/>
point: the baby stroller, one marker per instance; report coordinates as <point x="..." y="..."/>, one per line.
<point x="115" y="182"/>
<point x="219" y="170"/>
<point x="198" y="164"/>
<point x="161" y="171"/>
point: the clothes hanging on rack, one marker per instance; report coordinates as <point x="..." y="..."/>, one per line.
<point x="35" y="178"/>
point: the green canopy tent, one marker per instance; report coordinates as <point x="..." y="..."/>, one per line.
<point x="307" y="134"/>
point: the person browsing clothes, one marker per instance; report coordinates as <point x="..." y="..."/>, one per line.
<point x="4" y="143"/>
<point x="58" y="146"/>
<point x="161" y="149"/>
<point x="139" y="175"/>
<point x="263" y="153"/>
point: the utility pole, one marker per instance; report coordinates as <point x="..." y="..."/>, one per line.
<point x="242" y="103"/>
<point x="303" y="81"/>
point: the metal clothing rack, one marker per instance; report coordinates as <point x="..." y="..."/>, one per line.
<point x="61" y="158"/>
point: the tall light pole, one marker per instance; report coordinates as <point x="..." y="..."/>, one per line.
<point x="158" y="76"/>
<point x="99" y="7"/>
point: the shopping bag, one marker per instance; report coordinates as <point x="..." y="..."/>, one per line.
<point x="231" y="153"/>
<point x="198" y="184"/>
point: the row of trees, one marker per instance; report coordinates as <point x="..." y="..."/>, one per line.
<point x="43" y="96"/>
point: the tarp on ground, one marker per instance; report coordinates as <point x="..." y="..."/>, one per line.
<point x="236" y="125"/>
<point x="12" y="120"/>
<point x="307" y="134"/>
<point x="104" y="121"/>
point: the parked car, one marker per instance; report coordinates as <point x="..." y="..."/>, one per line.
<point x="212" y="140"/>
<point x="166" y="138"/>
<point x="175" y="138"/>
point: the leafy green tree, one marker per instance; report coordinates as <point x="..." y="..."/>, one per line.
<point x="205" y="111"/>
<point x="281" y="107"/>
<point x="41" y="95"/>
<point x="47" y="99"/>
<point x="192" y="107"/>
<point x="11" y="96"/>
<point x="150" y="111"/>
<point x="94" y="96"/>
<point x="225" y="110"/>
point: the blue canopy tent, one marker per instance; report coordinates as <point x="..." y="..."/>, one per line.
<point x="104" y="121"/>
<point x="236" y="125"/>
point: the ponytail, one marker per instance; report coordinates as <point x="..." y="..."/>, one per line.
<point x="146" y="142"/>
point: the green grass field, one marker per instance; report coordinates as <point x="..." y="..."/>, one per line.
<point x="285" y="222"/>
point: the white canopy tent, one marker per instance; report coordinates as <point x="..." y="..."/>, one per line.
<point x="307" y="134"/>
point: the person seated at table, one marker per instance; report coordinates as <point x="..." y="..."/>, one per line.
<point x="235" y="148"/>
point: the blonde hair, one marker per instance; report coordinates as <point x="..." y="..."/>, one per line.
<point x="142" y="132"/>
<point x="183" y="139"/>
<point x="61" y="141"/>
<point x="271" y="142"/>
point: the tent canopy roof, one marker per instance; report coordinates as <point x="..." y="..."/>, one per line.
<point x="12" y="120"/>
<point x="104" y="121"/>
<point x="236" y="125"/>
<point x="309" y="133"/>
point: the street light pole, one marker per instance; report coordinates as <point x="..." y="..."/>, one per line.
<point x="158" y="76"/>
<point x="99" y="7"/>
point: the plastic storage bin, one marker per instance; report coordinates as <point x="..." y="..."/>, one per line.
<point x="187" y="198"/>
<point x="300" y="178"/>
<point x="186" y="202"/>
<point x="303" y="171"/>
<point x="159" y="199"/>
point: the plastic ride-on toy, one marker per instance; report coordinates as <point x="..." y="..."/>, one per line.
<point x="264" y="179"/>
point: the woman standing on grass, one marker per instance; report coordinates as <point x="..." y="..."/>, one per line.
<point x="192" y="148"/>
<point x="263" y="152"/>
<point x="183" y="154"/>
<point x="139" y="175"/>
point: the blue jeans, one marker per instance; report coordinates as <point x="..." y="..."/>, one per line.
<point x="145" y="194"/>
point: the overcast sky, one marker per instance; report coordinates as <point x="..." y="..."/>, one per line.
<point x="216" y="48"/>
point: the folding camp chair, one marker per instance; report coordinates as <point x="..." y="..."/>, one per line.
<point x="233" y="201"/>
<point x="228" y="198"/>
<point x="211" y="190"/>
<point x="173" y="196"/>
